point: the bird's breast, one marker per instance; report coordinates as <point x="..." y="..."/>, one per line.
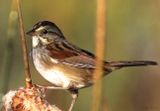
<point x="59" y="74"/>
<point x="47" y="68"/>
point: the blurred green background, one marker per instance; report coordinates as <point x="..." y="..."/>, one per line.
<point x="132" y="33"/>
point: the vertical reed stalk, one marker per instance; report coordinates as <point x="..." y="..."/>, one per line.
<point x="28" y="80"/>
<point x="9" y="45"/>
<point x="99" y="38"/>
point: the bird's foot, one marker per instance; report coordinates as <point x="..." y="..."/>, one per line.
<point x="74" y="94"/>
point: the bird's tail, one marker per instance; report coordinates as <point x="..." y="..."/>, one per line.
<point x="120" y="64"/>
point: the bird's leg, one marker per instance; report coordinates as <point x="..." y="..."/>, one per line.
<point x="73" y="91"/>
<point x="74" y="94"/>
<point x="50" y="87"/>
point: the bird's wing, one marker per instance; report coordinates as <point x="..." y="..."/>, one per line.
<point x="80" y="61"/>
<point x="71" y="55"/>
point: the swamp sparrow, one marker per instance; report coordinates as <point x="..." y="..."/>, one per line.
<point x="65" y="65"/>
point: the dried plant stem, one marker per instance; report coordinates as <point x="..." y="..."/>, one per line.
<point x="100" y="38"/>
<point x="9" y="52"/>
<point x="24" y="47"/>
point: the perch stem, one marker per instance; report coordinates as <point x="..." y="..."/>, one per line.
<point x="28" y="80"/>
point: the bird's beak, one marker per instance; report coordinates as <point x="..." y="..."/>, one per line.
<point x="31" y="32"/>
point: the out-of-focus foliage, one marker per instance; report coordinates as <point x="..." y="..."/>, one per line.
<point x="132" y="34"/>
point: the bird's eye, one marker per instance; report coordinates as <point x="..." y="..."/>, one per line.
<point x="45" y="31"/>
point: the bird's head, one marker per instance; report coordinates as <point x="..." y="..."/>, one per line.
<point x="44" y="32"/>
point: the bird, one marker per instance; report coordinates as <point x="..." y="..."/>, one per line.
<point x="65" y="65"/>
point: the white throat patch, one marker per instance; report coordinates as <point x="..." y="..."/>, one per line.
<point x="35" y="41"/>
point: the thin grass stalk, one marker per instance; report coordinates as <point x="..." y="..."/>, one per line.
<point x="99" y="38"/>
<point x="9" y="52"/>
<point x="28" y="80"/>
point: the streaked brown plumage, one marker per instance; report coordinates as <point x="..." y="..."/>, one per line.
<point x="65" y="65"/>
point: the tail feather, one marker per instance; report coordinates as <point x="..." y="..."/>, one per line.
<point x="120" y="64"/>
<point x="131" y="63"/>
